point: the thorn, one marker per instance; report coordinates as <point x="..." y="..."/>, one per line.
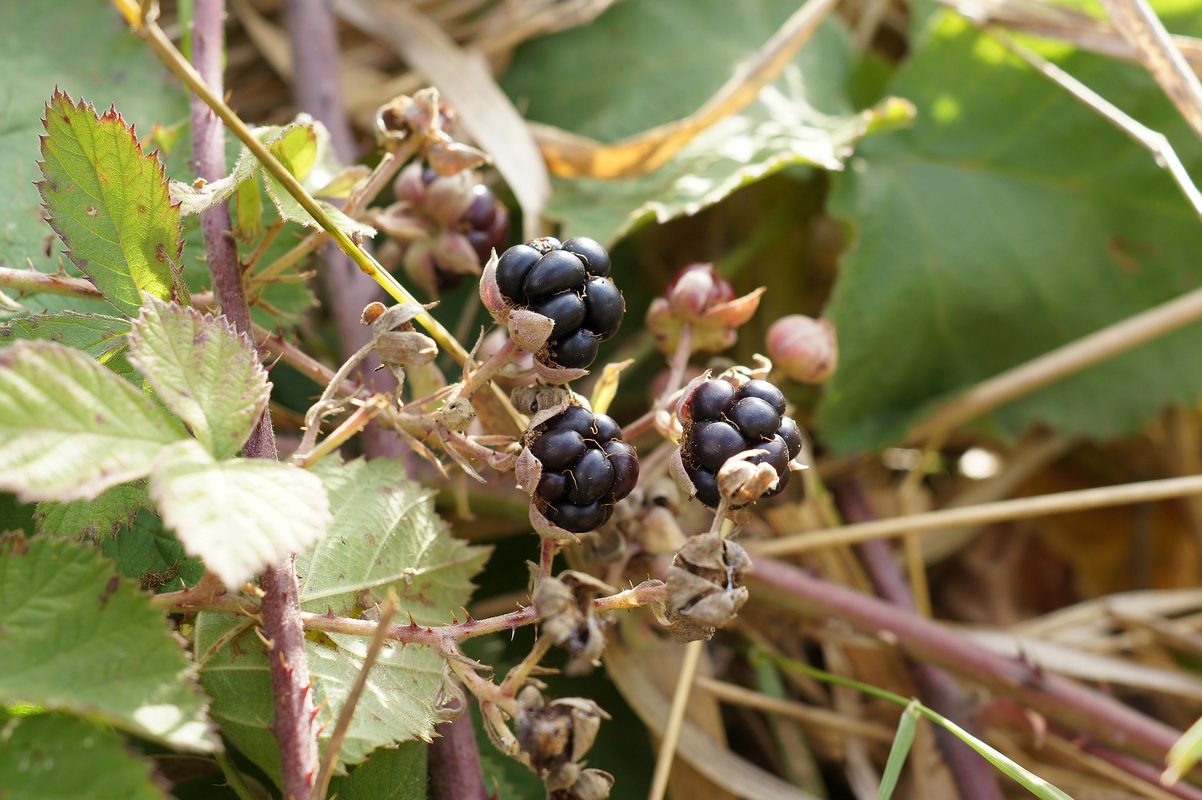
<point x="263" y="638"/>
<point x="467" y="614"/>
<point x="412" y="621"/>
<point x="454" y="619"/>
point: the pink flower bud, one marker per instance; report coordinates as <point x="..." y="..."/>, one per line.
<point x="804" y="348"/>
<point x="696" y="289"/>
<point x="700" y="299"/>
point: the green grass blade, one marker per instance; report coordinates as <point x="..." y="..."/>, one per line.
<point x="900" y="750"/>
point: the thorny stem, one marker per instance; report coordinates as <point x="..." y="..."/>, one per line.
<point x="1061" y="700"/>
<point x="289" y="667"/>
<point x="546" y="557"/>
<point x="485" y="372"/>
<point x="453" y="762"/>
<point x="29" y="280"/>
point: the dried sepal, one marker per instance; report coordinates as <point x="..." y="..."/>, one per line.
<point x="705" y="588"/>
<point x="589" y="784"/>
<point x="490" y="292"/>
<point x="528" y="329"/>
<point x="545" y="527"/>
<point x="530" y="400"/>
<point x="565" y="608"/>
<point x="741" y="482"/>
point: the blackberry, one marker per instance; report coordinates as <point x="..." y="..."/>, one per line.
<point x="586" y="468"/>
<point x="721" y="420"/>
<point x="569" y="283"/>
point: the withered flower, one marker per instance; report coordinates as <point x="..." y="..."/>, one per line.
<point x="705" y="586"/>
<point x="553" y="734"/>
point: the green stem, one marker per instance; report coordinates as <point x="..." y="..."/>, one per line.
<point x="234" y="778"/>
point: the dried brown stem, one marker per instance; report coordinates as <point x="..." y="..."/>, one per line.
<point x="347" y="714"/>
<point x="1087" y="712"/>
<point x="1020" y="508"/>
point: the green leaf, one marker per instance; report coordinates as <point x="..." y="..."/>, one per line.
<point x="147" y="552"/>
<point x="76" y="637"/>
<point x="204" y="371"/>
<point x="95" y="334"/>
<point x="100" y="336"/>
<point x="1006" y="223"/>
<point x="1006" y="765"/>
<point x="109" y="204"/>
<point x="390" y="773"/>
<point x="112" y="65"/>
<point x="55" y="757"/>
<point x="384" y="533"/>
<point x="96" y="519"/>
<point x="69" y="428"/>
<point x="736" y="151"/>
<point x="899" y="751"/>
<point x="304" y="150"/>
<point x="1184" y="754"/>
<point x="239" y="515"/>
<point x="648" y="62"/>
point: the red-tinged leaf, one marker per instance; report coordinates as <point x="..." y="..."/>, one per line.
<point x="109" y="203"/>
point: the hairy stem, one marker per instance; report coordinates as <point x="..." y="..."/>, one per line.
<point x="28" y="280"/>
<point x="454" y="762"/>
<point x="294" y="728"/>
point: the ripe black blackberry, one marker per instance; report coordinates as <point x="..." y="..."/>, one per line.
<point x="586" y="468"/>
<point x="569" y="283"/>
<point x="721" y="420"/>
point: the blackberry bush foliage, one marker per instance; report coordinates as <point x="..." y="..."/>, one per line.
<point x="141" y="433"/>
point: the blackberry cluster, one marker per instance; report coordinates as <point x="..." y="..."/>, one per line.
<point x="722" y="421"/>
<point x="586" y="468"/>
<point x="568" y="282"/>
